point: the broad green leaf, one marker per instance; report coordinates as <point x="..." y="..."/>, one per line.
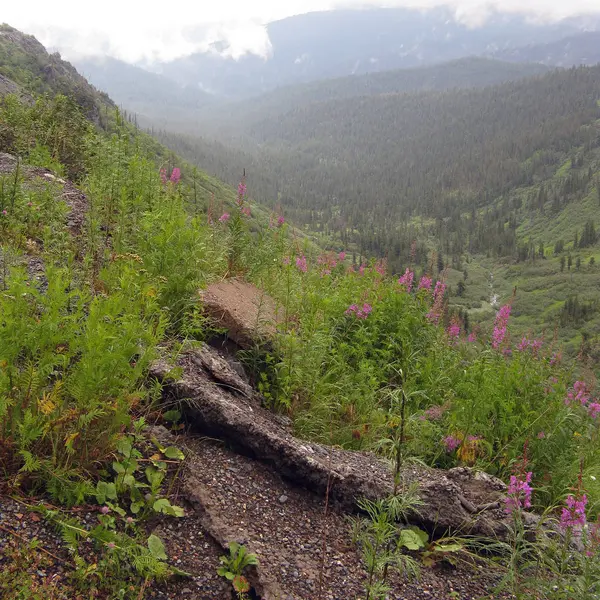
<point x="156" y="547"/>
<point x="174" y="453"/>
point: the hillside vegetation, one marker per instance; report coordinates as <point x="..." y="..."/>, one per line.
<point x="96" y="284"/>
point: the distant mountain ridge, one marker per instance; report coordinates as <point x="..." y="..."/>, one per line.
<point x="338" y="43"/>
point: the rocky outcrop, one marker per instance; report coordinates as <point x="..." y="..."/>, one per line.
<point x="247" y="313"/>
<point x="220" y="403"/>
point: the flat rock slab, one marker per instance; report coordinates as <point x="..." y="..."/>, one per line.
<point x="221" y="404"/>
<point x="248" y="314"/>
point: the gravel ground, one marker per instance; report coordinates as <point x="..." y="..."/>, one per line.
<point x="245" y="501"/>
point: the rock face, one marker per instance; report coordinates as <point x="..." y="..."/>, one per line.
<point x="247" y="313"/>
<point x="223" y="405"/>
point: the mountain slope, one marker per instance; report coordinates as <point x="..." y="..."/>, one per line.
<point x="153" y="96"/>
<point x="580" y="49"/>
<point x="27" y="63"/>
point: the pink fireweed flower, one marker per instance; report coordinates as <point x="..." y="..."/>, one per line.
<point x="224" y="218"/>
<point x="556" y="358"/>
<point x="301" y="264"/>
<point x="381" y="267"/>
<point x="579" y="393"/>
<point x="500" y="326"/>
<point x="519" y="493"/>
<point x="175" y="175"/>
<point x="524" y="344"/>
<point x="246" y="211"/>
<point x="425" y="283"/>
<point x="286" y="260"/>
<point x="451" y="443"/>
<point x="453" y="331"/>
<point x="163" y="176"/>
<point x="241" y="189"/>
<point x="594" y="410"/>
<point x="360" y="312"/>
<point x="280" y="221"/>
<point x="437" y="309"/>
<point x="361" y="269"/>
<point x="536" y="346"/>
<point x="573" y="515"/>
<point x="351" y="309"/>
<point x="342" y="255"/>
<point x="407" y="280"/>
<point x="5" y="212"/>
<point x="472" y="337"/>
<point x="433" y="413"/>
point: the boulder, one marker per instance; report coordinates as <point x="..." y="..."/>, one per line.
<point x="248" y="314"/>
<point x="222" y="404"/>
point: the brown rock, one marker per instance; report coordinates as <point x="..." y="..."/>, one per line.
<point x="247" y="313"/>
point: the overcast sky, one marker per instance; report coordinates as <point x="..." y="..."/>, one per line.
<point x="146" y="30"/>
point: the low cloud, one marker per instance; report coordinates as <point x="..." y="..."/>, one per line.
<point x="146" y="32"/>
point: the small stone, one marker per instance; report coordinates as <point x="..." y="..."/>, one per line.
<point x="283" y="499"/>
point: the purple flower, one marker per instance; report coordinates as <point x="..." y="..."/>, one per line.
<point x="301" y="264"/>
<point x="246" y="211"/>
<point x="224" y="218"/>
<point x="434" y="413"/>
<point x="472" y="337"/>
<point x="451" y="443"/>
<point x="361" y="269"/>
<point x="4" y="212"/>
<point x="360" y="312"/>
<point x="573" y="515"/>
<point x="519" y="493"/>
<point x="500" y="326"/>
<point x="425" y="283"/>
<point x="280" y="221"/>
<point x="453" y="331"/>
<point x="594" y="410"/>
<point x="556" y="358"/>
<point x="175" y="175"/>
<point x="241" y="189"/>
<point x="342" y="255"/>
<point x="407" y="280"/>
<point x="524" y="344"/>
<point x="579" y="393"/>
<point x="381" y="267"/>
<point x="437" y="309"/>
<point x="105" y="510"/>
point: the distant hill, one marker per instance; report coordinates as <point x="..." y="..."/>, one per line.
<point x="580" y="49"/>
<point x="26" y="63"/>
<point x="338" y="43"/>
<point x="151" y="95"/>
<point x="471" y="72"/>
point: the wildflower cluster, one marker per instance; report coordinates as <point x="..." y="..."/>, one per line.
<point x="437" y="310"/>
<point x="407" y="280"/>
<point x="425" y="283"/>
<point x="528" y="344"/>
<point x="328" y="261"/>
<point x="519" y="493"/>
<point x="302" y="264"/>
<point x="500" y="326"/>
<point x="358" y="311"/>
<point x="453" y="331"/>
<point x="451" y="443"/>
<point x="573" y="514"/>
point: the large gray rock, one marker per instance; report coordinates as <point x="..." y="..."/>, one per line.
<point x="223" y="405"/>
